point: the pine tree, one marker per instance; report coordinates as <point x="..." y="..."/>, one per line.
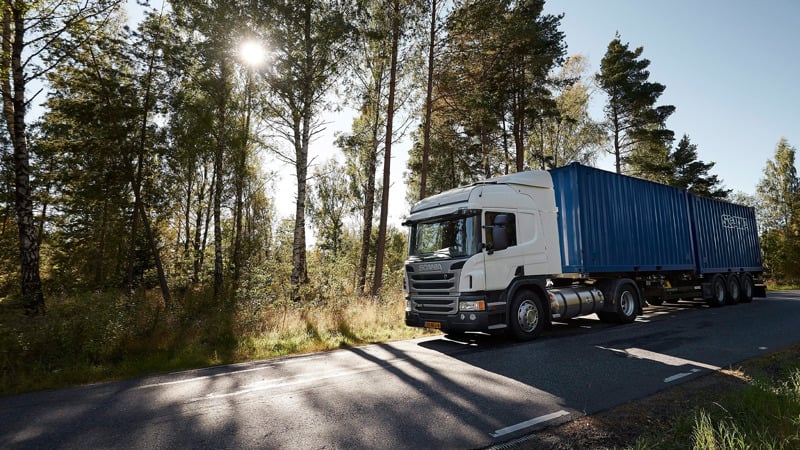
<point x="692" y="174"/>
<point x="634" y="122"/>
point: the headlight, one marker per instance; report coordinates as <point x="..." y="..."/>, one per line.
<point x="408" y="305"/>
<point x="472" y="305"/>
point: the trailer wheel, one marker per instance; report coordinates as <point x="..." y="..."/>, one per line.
<point x="626" y="300"/>
<point x="746" y="283"/>
<point x="719" y="291"/>
<point x="734" y="289"/>
<point x="527" y="319"/>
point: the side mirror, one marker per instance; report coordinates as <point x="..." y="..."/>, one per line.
<point x="500" y="233"/>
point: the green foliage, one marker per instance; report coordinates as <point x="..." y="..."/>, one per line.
<point x="328" y="206"/>
<point x="492" y="88"/>
<point x="634" y="121"/>
<point x="568" y="133"/>
<point x="86" y="143"/>
<point x="762" y="413"/>
<point x="96" y="337"/>
<point x="779" y="200"/>
<point x="693" y="174"/>
<point x="679" y="167"/>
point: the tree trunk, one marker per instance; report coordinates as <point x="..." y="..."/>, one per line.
<point x="99" y="274"/>
<point x="380" y="249"/>
<point x="369" y="189"/>
<point x="426" y="128"/>
<point x="219" y="154"/>
<point x="241" y="167"/>
<point x="617" y="143"/>
<point x="302" y="135"/>
<point x="138" y="204"/>
<point x="506" y="150"/>
<point x="151" y="242"/>
<point x="187" y="212"/>
<point x="198" y="245"/>
<point x="14" y="110"/>
<point x="519" y="131"/>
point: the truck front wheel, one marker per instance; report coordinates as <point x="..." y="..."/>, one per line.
<point x="527" y="316"/>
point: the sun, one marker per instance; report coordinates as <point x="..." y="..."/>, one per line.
<point x="252" y="53"/>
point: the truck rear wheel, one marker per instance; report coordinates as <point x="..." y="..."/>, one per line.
<point x="746" y="282"/>
<point x="734" y="289"/>
<point x="527" y="318"/>
<point x="719" y="291"/>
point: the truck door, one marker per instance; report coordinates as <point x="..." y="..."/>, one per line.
<point x="502" y="265"/>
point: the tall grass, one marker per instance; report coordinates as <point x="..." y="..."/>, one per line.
<point x="764" y="414"/>
<point x="102" y="336"/>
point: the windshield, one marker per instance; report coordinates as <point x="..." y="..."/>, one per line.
<point x="450" y="237"/>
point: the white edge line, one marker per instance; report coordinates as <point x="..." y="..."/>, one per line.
<point x="272" y="365"/>
<point x="680" y="375"/>
<point x="528" y="423"/>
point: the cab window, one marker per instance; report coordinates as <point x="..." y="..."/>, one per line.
<point x="511" y="228"/>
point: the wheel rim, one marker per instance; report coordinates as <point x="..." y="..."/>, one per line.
<point x="528" y="316"/>
<point x="627" y="303"/>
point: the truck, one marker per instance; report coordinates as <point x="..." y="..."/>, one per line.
<point x="515" y="253"/>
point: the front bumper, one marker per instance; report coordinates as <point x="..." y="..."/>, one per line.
<point x="463" y="321"/>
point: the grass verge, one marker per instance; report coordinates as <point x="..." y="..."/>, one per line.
<point x="101" y="337"/>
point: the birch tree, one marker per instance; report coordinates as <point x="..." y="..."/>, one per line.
<point x="36" y="37"/>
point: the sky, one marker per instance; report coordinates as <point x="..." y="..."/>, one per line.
<point x="731" y="68"/>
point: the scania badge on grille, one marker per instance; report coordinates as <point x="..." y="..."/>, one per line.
<point x="429" y="267"/>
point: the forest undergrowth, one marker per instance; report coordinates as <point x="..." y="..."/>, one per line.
<point x="102" y="336"/>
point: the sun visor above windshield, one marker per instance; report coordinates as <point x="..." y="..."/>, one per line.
<point x="439" y="201"/>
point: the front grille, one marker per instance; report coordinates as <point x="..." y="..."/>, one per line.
<point x="434" y="292"/>
<point x="433" y="284"/>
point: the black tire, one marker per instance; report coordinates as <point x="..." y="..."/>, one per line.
<point x="747" y="285"/>
<point x="527" y="317"/>
<point x="625" y="296"/>
<point x="734" y="289"/>
<point x="719" y="291"/>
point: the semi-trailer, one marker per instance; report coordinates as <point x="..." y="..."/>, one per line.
<point x="514" y="253"/>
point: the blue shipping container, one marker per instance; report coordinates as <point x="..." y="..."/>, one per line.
<point x="726" y="236"/>
<point x="615" y="223"/>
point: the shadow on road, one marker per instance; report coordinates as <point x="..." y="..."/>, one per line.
<point x="455" y="391"/>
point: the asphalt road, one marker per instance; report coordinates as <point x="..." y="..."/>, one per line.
<point x="425" y="393"/>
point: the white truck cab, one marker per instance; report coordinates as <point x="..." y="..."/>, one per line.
<point x="468" y="245"/>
